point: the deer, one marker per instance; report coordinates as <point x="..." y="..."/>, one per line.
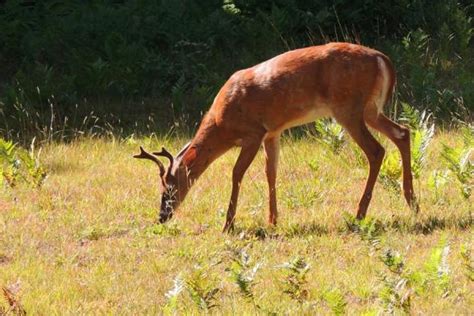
<point x="348" y="82"/>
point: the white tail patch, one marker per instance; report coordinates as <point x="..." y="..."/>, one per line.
<point x="381" y="95"/>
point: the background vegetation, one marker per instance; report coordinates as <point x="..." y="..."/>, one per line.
<point x="72" y="65"/>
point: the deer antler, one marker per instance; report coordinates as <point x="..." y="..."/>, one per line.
<point x="165" y="153"/>
<point x="144" y="155"/>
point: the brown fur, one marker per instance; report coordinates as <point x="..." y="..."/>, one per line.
<point x="255" y="105"/>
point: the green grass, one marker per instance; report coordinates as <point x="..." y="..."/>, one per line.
<point x="86" y="240"/>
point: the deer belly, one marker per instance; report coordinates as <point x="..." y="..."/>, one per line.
<point x="304" y="118"/>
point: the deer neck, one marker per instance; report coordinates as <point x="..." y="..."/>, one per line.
<point x="208" y="144"/>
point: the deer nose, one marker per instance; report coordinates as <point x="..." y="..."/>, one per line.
<point x="164" y="217"/>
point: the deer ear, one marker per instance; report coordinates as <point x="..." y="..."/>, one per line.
<point x="189" y="156"/>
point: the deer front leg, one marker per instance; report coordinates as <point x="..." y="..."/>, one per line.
<point x="247" y="154"/>
<point x="272" y="150"/>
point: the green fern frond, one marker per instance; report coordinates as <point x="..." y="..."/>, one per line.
<point x="173" y="294"/>
<point x="295" y="284"/>
<point x="330" y="134"/>
<point x="336" y="301"/>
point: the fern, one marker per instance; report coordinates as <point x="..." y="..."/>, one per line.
<point x="395" y="294"/>
<point x="467" y="261"/>
<point x="202" y="293"/>
<point x="390" y="172"/>
<point x="459" y="162"/>
<point x="397" y="288"/>
<point x="330" y="134"/>
<point x="435" y="274"/>
<point x="393" y="260"/>
<point x="295" y="282"/>
<point x="243" y="275"/>
<point x="336" y="301"/>
<point x="17" y="164"/>
<point x="173" y="294"/>
<point x="9" y="164"/>
<point x="32" y="163"/>
<point x="368" y="228"/>
<point x="437" y="267"/>
<point x="437" y="181"/>
<point x="467" y="131"/>
<point x="198" y="287"/>
<point x="422" y="132"/>
<point x="421" y="138"/>
<point x="413" y="117"/>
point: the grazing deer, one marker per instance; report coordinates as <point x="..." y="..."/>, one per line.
<point x="348" y="82"/>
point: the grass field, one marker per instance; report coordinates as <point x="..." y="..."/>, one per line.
<point x="86" y="241"/>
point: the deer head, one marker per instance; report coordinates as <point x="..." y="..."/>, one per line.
<point x="174" y="180"/>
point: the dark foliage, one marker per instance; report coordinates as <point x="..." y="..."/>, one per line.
<point x="168" y="58"/>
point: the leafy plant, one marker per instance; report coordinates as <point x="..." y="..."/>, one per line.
<point x="396" y="291"/>
<point x="422" y="132"/>
<point x="421" y="139"/>
<point x="435" y="274"/>
<point x="390" y="172"/>
<point x="460" y="164"/>
<point x="437" y="181"/>
<point x="369" y="229"/>
<point x="396" y="294"/>
<point x="201" y="290"/>
<point x="173" y="294"/>
<point x="10" y="165"/>
<point x="466" y="255"/>
<point x="393" y="260"/>
<point x="243" y="275"/>
<point x="413" y="117"/>
<point x="17" y="164"/>
<point x="397" y="288"/>
<point x="295" y="283"/>
<point x="467" y="132"/>
<point x="170" y="229"/>
<point x="336" y="301"/>
<point x="330" y="134"/>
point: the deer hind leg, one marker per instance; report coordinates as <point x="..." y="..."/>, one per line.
<point x="374" y="152"/>
<point x="400" y="136"/>
<point x="246" y="156"/>
<point x="271" y="147"/>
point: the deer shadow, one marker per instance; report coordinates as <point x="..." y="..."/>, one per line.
<point x="266" y="232"/>
<point x="410" y="225"/>
<point x="429" y="224"/>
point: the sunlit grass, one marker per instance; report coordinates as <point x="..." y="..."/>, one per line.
<point x="87" y="242"/>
